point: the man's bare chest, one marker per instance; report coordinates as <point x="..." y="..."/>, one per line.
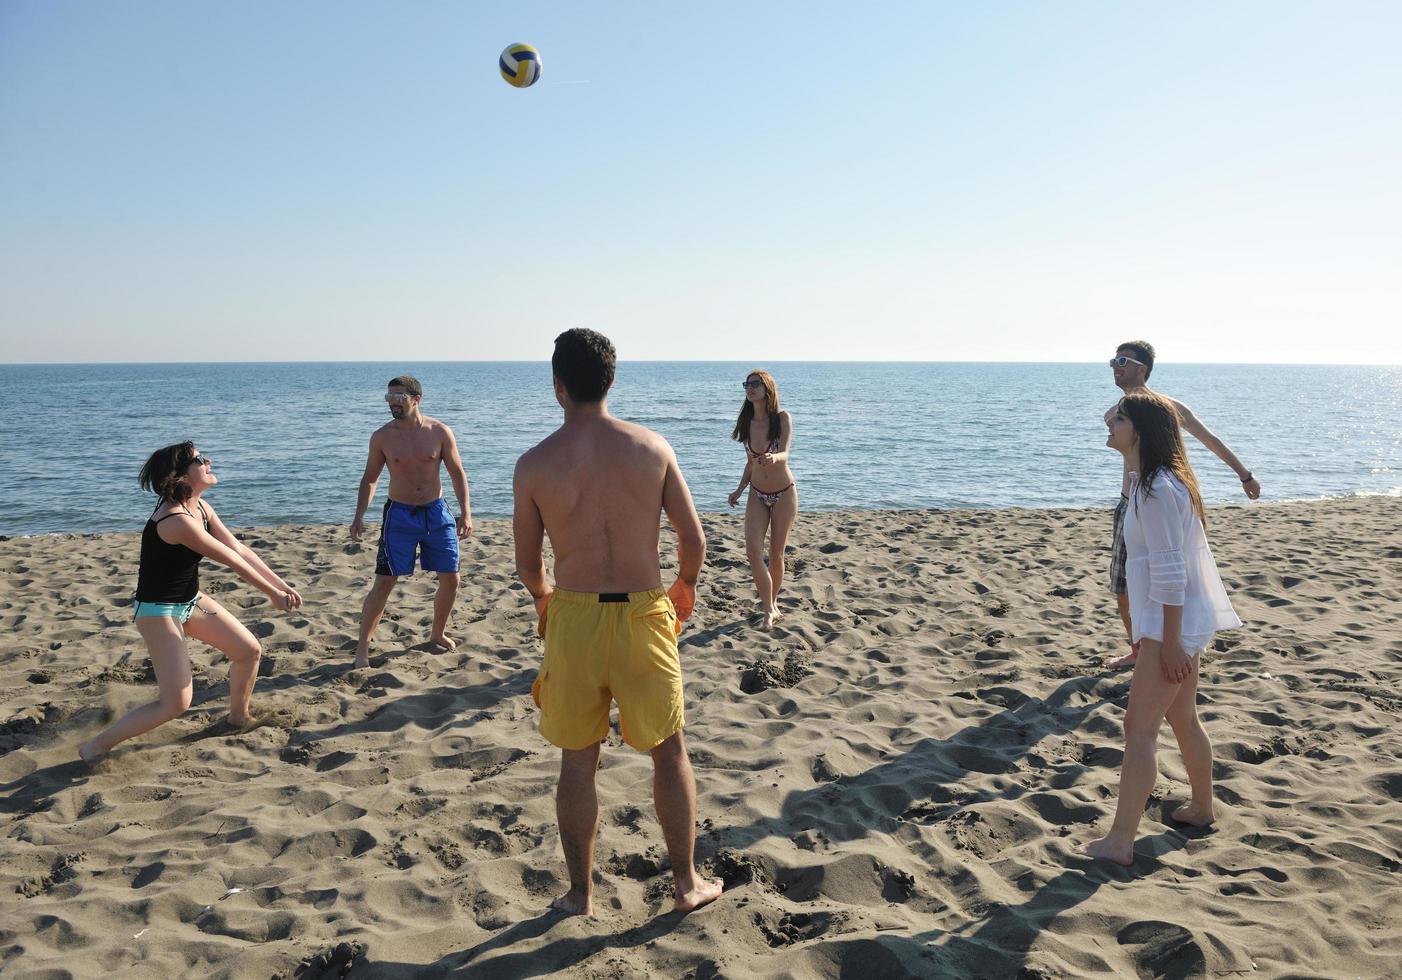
<point x="413" y="448"/>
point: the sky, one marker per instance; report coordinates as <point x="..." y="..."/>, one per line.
<point x="809" y="180"/>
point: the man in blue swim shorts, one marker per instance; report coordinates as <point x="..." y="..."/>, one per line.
<point x="417" y="524"/>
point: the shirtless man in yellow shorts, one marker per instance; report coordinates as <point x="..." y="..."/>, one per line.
<point x="597" y="486"/>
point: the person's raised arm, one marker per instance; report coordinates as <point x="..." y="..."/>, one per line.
<point x="458" y="476"/>
<point x="1249" y="484"/>
<point x="528" y="533"/>
<point x="374" y="466"/>
<point x="224" y="536"/>
<point x="691" y="539"/>
<point x="190" y="532"/>
<point x="781" y="455"/>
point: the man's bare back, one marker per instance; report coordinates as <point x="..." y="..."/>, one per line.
<point x="600" y="485"/>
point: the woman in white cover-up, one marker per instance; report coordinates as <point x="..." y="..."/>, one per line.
<point x="1177" y="602"/>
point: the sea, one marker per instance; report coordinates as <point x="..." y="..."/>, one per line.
<point x="289" y="440"/>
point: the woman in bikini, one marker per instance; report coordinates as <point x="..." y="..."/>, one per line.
<point x="766" y="433"/>
<point x="169" y="605"/>
<point x="1176" y="604"/>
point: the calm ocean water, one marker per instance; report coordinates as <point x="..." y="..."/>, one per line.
<point x="289" y="440"/>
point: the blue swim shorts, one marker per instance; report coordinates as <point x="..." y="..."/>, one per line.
<point x="175" y="610"/>
<point x="428" y="529"/>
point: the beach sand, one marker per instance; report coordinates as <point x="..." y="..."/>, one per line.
<point x="891" y="783"/>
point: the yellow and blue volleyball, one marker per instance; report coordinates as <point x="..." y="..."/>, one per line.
<point x="520" y="65"/>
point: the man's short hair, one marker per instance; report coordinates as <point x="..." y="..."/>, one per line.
<point x="1143" y="352"/>
<point x="584" y="361"/>
<point x="409" y="383"/>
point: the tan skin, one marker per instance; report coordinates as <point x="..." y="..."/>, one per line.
<point x="166" y="637"/>
<point x="1132" y="378"/>
<point x="768" y="471"/>
<point x="1164" y="685"/>
<point x="597" y="487"/>
<point x="415" y="448"/>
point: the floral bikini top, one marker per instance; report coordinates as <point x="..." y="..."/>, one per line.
<point x="773" y="447"/>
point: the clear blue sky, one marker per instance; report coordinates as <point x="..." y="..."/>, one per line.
<point x="752" y="181"/>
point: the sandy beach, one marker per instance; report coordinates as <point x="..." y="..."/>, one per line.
<point x="892" y="782"/>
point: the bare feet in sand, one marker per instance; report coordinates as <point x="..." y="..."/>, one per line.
<point x="1109" y="850"/>
<point x="245" y="723"/>
<point x="89" y="754"/>
<point x="707" y="890"/>
<point x="769" y="617"/>
<point x="445" y="641"/>
<point x="576" y="901"/>
<point x="1128" y="660"/>
<point x="362" y="656"/>
<point x="1197" y="816"/>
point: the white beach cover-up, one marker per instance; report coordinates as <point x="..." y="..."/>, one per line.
<point x="1170" y="564"/>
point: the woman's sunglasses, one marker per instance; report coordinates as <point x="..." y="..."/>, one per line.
<point x="752" y="383"/>
<point x="201" y="460"/>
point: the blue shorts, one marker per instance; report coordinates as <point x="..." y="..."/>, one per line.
<point x="175" y="610"/>
<point x="428" y="529"/>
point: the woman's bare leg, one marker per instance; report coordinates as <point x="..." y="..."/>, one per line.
<point x="1197" y="751"/>
<point x="1149" y="698"/>
<point x="215" y="625"/>
<point x="780" y="522"/>
<point x="165" y="643"/>
<point x="756" y="526"/>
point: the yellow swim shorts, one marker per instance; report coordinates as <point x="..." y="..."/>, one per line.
<point x="602" y="647"/>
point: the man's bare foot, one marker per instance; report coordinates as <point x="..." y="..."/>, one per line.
<point x="245" y="723"/>
<point x="1109" y="850"/>
<point x="445" y="641"/>
<point x="576" y="901"/>
<point x="707" y="890"/>
<point x="89" y="754"/>
<point x="1197" y="816"/>
<point x="1128" y="660"/>
<point x="362" y="656"/>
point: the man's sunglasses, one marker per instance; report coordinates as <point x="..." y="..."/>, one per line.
<point x="1121" y="361"/>
<point x="397" y="396"/>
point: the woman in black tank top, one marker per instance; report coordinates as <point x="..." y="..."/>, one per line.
<point x="181" y="531"/>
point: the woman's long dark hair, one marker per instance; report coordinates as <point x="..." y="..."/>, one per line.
<point x="1155" y="422"/>
<point x="162" y="472"/>
<point x="747" y="410"/>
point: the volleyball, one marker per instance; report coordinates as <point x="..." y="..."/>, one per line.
<point x="520" y="65"/>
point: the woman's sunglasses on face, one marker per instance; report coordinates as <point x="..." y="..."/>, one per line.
<point x="752" y="383"/>
<point x="1122" y="361"/>
<point x="201" y="460"/>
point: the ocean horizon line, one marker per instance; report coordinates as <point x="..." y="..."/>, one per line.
<point x="759" y="360"/>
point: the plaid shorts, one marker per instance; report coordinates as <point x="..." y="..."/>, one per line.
<point x="1118" y="555"/>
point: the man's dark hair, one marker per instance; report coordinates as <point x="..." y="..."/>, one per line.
<point x="409" y="383"/>
<point x="162" y="472"/>
<point x="1143" y="352"/>
<point x="584" y="361"/>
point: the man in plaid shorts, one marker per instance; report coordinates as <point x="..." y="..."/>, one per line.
<point x="1133" y="363"/>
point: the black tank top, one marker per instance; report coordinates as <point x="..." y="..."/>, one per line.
<point x="168" y="572"/>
